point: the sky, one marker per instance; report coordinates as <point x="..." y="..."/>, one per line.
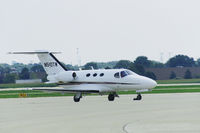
<point x="102" y="30"/>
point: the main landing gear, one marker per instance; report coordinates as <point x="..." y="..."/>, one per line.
<point x="77" y="97"/>
<point x="111" y="96"/>
<point x="139" y="97"/>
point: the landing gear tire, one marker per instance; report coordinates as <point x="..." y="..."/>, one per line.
<point x="76" y="99"/>
<point x="111" y="97"/>
<point x="139" y="97"/>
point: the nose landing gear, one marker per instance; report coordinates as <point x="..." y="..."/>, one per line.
<point x="139" y="97"/>
<point x="77" y="97"/>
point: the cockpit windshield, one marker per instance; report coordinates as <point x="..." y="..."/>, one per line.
<point x="130" y="72"/>
<point x="126" y="73"/>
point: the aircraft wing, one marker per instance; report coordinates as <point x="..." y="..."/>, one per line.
<point x="85" y="88"/>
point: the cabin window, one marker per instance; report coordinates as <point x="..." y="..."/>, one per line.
<point x="88" y="75"/>
<point x="116" y="75"/>
<point x="102" y="74"/>
<point x="95" y="74"/>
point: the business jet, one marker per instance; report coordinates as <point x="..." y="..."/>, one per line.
<point x="81" y="82"/>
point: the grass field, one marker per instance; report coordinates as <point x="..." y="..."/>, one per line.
<point x="29" y="93"/>
<point x="2" y="86"/>
<point x="178" y="81"/>
<point x="179" y="87"/>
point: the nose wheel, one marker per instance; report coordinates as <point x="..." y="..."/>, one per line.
<point x="77" y="97"/>
<point x="139" y="97"/>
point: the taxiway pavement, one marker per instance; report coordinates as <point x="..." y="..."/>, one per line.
<point x="156" y="113"/>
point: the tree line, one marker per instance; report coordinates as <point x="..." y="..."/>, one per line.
<point x="176" y="61"/>
<point x="142" y="62"/>
<point x="10" y="73"/>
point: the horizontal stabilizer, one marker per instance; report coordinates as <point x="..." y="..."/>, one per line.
<point x="36" y="52"/>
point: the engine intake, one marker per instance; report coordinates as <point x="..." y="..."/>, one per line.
<point x="74" y="75"/>
<point x="68" y="76"/>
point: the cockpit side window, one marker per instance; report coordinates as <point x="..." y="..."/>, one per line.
<point x="130" y="72"/>
<point x="123" y="74"/>
<point x="116" y="75"/>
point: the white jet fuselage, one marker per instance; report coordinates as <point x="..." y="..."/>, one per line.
<point x="110" y="80"/>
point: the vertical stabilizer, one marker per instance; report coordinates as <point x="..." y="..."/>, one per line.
<point x="51" y="64"/>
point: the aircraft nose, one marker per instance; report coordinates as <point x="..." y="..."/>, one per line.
<point x="149" y="83"/>
<point x="153" y="83"/>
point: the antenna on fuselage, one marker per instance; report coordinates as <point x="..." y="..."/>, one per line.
<point x="92" y="67"/>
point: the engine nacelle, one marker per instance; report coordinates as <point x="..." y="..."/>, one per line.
<point x="51" y="79"/>
<point x="67" y="76"/>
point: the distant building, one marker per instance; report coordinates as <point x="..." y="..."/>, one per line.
<point x="164" y="73"/>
